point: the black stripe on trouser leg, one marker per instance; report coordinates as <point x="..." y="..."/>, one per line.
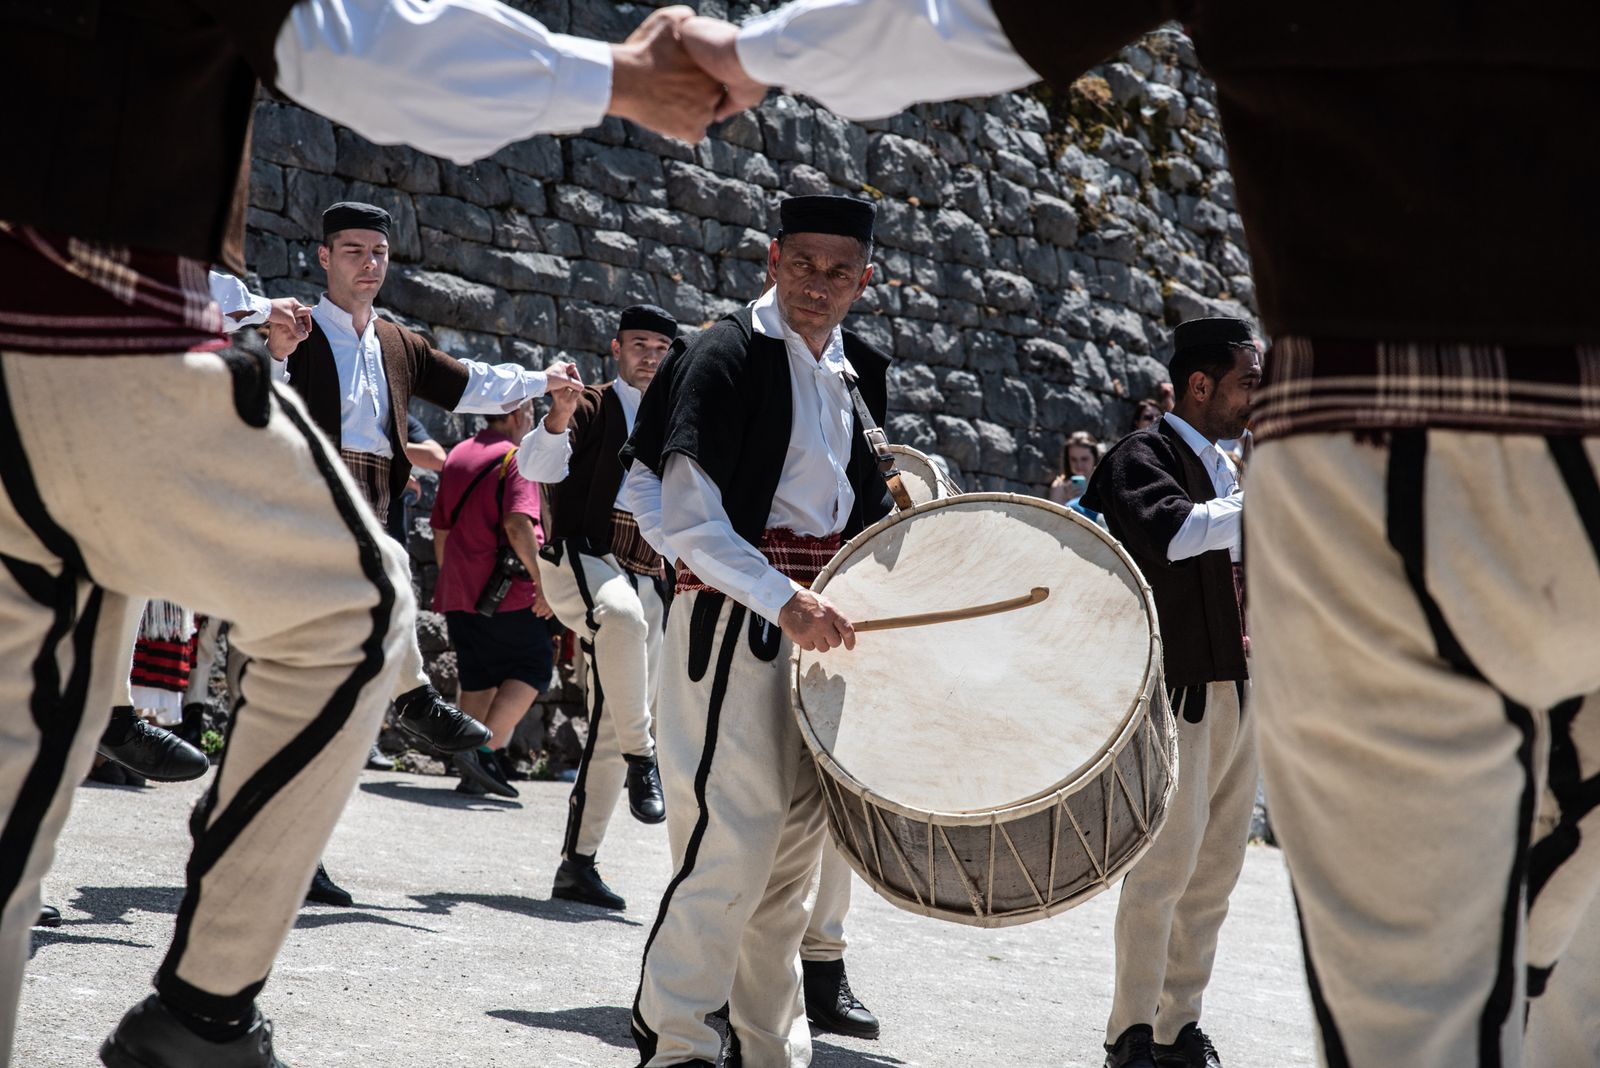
<point x="1578" y="473"/>
<point x="580" y="787"/>
<point x="53" y="709"/>
<point x="1575" y="798"/>
<point x="583" y="588"/>
<point x="1405" y="499"/>
<point x="1332" y="1041"/>
<point x="58" y="713"/>
<point x="643" y="1036"/>
<point x="279" y="769"/>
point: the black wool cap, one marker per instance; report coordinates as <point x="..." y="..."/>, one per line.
<point x="1204" y="333"/>
<point x="354" y="215"/>
<point x="845" y="216"/>
<point x="648" y="317"/>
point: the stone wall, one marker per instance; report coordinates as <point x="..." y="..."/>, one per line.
<point x="1034" y="249"/>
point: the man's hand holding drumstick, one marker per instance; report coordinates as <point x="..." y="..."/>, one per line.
<point x="811" y="622"/>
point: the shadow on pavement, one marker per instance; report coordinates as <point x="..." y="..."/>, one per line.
<point x="537" y="908"/>
<point x="310" y="920"/>
<point x="47" y="936"/>
<point x="608" y="1023"/>
<point x="439" y="798"/>
<point x="827" y="1055"/>
<point x="111" y="904"/>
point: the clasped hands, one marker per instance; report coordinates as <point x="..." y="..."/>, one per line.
<point x="678" y="73"/>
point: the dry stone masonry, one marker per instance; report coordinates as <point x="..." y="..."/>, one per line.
<point x="1034" y="249"/>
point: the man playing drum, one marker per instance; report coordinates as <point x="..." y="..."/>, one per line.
<point x="754" y="437"/>
<point x="607" y="584"/>
<point x="1173" y="499"/>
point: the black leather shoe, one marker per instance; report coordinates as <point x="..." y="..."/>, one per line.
<point x="430" y="719"/>
<point x="1193" y="1049"/>
<point x="151" y="1037"/>
<point x="645" y="800"/>
<point x="49" y="916"/>
<point x="579" y="880"/>
<point x="830" y="1004"/>
<point x="480" y="768"/>
<point x="156" y="754"/>
<point x="324" y="891"/>
<point x="1132" y="1049"/>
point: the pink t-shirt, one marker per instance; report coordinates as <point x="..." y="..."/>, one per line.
<point x="469" y="551"/>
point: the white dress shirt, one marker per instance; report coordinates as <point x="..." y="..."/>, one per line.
<point x="233" y="296"/>
<point x="543" y="456"/>
<point x="915" y="50"/>
<point x="682" y="517"/>
<point x="492" y="389"/>
<point x="454" y="78"/>
<point x="1214" y="524"/>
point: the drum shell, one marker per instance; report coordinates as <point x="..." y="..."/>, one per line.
<point x="923" y="479"/>
<point x="1024" y="861"/>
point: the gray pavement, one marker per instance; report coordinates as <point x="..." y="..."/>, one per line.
<point x="454" y="954"/>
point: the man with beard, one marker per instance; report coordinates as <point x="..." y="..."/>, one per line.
<point x="1172" y="497"/>
<point x="606" y="584"/>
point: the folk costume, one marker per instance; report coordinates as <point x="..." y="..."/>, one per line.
<point x="1172" y="498"/>
<point x="1454" y="637"/>
<point x="358" y="386"/>
<point x="106" y="321"/>
<point x="611" y="588"/>
<point x="764" y="470"/>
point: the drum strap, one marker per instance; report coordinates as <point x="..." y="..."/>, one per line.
<point x="879" y="444"/>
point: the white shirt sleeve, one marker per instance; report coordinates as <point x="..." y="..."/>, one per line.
<point x="699" y="535"/>
<point x="498" y="388"/>
<point x="1211" y="525"/>
<point x="233" y="297"/>
<point x="640" y="497"/>
<point x="454" y="78"/>
<point x="543" y="456"/>
<point x="866" y="59"/>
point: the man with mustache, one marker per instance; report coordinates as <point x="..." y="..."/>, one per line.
<point x="606" y="584"/>
<point x="753" y="435"/>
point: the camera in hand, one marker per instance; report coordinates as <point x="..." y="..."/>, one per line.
<point x="507" y="569"/>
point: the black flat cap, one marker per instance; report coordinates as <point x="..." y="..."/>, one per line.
<point x="1200" y="333"/>
<point x="845" y="216"/>
<point x="648" y="317"/>
<point x="354" y="215"/>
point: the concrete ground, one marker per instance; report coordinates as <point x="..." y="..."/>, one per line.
<point x="455" y="955"/>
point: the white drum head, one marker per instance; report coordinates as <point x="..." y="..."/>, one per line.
<point x="987" y="713"/>
<point x="921" y="477"/>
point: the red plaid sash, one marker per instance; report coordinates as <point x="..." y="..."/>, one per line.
<point x="66" y="297"/>
<point x="798" y="556"/>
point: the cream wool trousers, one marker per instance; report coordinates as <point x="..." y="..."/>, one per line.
<point x="259" y="524"/>
<point x="1426" y="620"/>
<point x="618" y="617"/>
<point x="745" y="822"/>
<point x="1174" y="900"/>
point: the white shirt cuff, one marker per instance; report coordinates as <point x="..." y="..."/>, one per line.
<point x="771" y="593"/>
<point x="583" y="84"/>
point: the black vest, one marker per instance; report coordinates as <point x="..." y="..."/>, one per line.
<point x="128" y="122"/>
<point x="581" y="503"/>
<point x="724" y="400"/>
<point x="1201" y="634"/>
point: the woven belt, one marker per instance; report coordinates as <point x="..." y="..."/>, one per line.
<point x="799" y="556"/>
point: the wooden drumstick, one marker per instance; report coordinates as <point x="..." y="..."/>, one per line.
<point x="950" y="615"/>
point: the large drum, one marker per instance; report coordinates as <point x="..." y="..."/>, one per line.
<point x="922" y="478"/>
<point x="1000" y="768"/>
